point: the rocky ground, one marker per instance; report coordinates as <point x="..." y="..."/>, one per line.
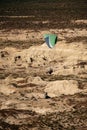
<point x="43" y="88"/>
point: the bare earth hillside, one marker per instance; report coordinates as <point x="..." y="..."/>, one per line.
<point x="43" y="88"/>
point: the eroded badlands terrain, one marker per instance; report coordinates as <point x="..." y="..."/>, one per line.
<point x="43" y="88"/>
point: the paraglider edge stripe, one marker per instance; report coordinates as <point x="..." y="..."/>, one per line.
<point x="50" y="43"/>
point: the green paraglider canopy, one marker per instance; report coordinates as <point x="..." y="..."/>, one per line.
<point x="50" y="39"/>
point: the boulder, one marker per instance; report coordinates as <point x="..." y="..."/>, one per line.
<point x="62" y="87"/>
<point x="38" y="81"/>
<point x="7" y="89"/>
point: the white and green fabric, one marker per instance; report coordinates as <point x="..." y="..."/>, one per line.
<point x="50" y="39"/>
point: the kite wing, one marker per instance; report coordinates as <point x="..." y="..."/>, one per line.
<point x="50" y="39"/>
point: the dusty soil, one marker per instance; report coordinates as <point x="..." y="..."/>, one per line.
<point x="43" y="88"/>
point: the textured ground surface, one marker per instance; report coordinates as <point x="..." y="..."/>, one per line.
<point x="43" y="88"/>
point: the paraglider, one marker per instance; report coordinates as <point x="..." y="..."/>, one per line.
<point x="50" y="40"/>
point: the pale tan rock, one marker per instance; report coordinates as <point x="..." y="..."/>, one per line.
<point x="7" y="89"/>
<point x="66" y="87"/>
<point x="37" y="80"/>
